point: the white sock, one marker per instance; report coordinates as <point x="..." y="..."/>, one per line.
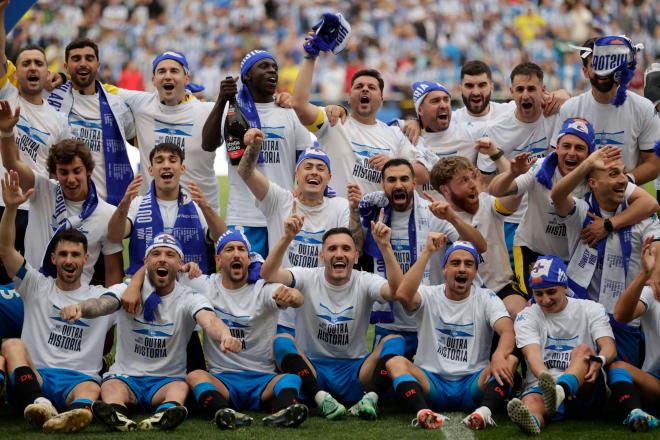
<point x="561" y="395"/>
<point x="372" y="395"/>
<point x="319" y="398"/>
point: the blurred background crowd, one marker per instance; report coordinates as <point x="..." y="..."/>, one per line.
<point x="407" y="40"/>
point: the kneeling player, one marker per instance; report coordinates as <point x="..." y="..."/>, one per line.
<point x="250" y="308"/>
<point x="150" y="365"/>
<point x="557" y="337"/>
<point x="455" y="324"/>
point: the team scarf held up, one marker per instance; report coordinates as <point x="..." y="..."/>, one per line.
<point x="578" y="127"/>
<point x="331" y="34"/>
<point x="154" y="299"/>
<point x="63" y="222"/>
<point x="255" y="259"/>
<point x="118" y="171"/>
<point x="187" y="230"/>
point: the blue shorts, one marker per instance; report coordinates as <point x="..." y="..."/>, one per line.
<point x="454" y="395"/>
<point x="410" y="338"/>
<point x="509" y="233"/>
<point x="284" y="329"/>
<point x="628" y="341"/>
<point x="340" y="377"/>
<point x="57" y="383"/>
<point x="143" y="387"/>
<point x="245" y="387"/>
<point x="11" y="312"/>
<point x="257" y="236"/>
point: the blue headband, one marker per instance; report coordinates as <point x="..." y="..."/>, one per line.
<point x="616" y="55"/>
<point x="232" y="235"/>
<point x="461" y="245"/>
<point x="170" y="55"/>
<point x="422" y="88"/>
<point x="165" y="240"/>
<point x="314" y="153"/>
<point x="195" y="88"/>
<point x="548" y="271"/>
<point x="251" y="59"/>
<point x="580" y="128"/>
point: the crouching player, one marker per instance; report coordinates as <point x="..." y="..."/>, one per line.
<point x="56" y="363"/>
<point x="150" y="365"/>
<point x="631" y="387"/>
<point x="565" y="342"/>
<point x="455" y="324"/>
<point x="250" y="307"/>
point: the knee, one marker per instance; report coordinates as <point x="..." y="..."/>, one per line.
<point x="398" y="365"/>
<point x="581" y="351"/>
<point x="196" y="376"/>
<point x="11" y="346"/>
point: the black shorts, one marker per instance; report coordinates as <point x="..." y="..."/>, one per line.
<point x="523" y="261"/>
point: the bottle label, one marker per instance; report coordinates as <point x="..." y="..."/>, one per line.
<point x="234" y="147"/>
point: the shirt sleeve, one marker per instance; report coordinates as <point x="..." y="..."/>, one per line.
<point x="27" y="281"/>
<point x="443" y="226"/>
<point x="266" y="295"/>
<point x="599" y="322"/>
<point x="495" y="308"/>
<point x="527" y="328"/>
<point x="274" y="202"/>
<point x="344" y="212"/>
<point x="302" y="277"/>
<point x="526" y="181"/>
<point x="302" y="137"/>
<point x="647" y="298"/>
<point x="196" y="302"/>
<point x="373" y="285"/>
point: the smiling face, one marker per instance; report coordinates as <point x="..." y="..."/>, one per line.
<point x="262" y="78"/>
<point x="73" y="178"/>
<point x="435" y="111"/>
<point x="162" y="267"/>
<point x="31" y="72"/>
<point x="463" y="191"/>
<point x="609" y="185"/>
<point x="476" y="91"/>
<point x="571" y="152"/>
<point x="527" y="91"/>
<point x="365" y="97"/>
<point x="82" y="66"/>
<point x="233" y="261"/>
<point x="312" y="176"/>
<point x="338" y="254"/>
<point x="166" y="169"/>
<point x="460" y="271"/>
<point x="170" y="79"/>
<point x="399" y="186"/>
<point x="69" y="259"/>
<point x="551" y="299"/>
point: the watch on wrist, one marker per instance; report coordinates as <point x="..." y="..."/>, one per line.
<point x="609" y="227"/>
<point x="497" y="155"/>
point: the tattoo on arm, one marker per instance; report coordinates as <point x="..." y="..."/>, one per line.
<point x="95" y="307"/>
<point x="355" y="226"/>
<point x="249" y="161"/>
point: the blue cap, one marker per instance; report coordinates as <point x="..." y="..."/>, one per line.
<point x="165" y="240"/>
<point x="314" y="153"/>
<point x="548" y="271"/>
<point x="422" y="88"/>
<point x="232" y="235"/>
<point x="461" y="245"/>
<point x="580" y="128"/>
<point x="195" y="88"/>
<point x="251" y="59"/>
<point x="170" y="55"/>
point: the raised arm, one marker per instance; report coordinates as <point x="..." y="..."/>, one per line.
<point x="119" y="226"/>
<point x="272" y="270"/>
<point x="8" y="147"/>
<point x="504" y="184"/>
<point x="648" y="168"/>
<point x="383" y="235"/>
<point x="288" y="297"/>
<point x="628" y="306"/>
<point x="13" y="196"/>
<point x="216" y="224"/>
<point x="354" y="222"/>
<point x="247" y="168"/>
<point x="211" y="132"/>
<point x="407" y="293"/>
<point x="307" y="112"/>
<point x="218" y="331"/>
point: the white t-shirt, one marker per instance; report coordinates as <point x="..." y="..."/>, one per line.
<point x="333" y="321"/>
<point x="456" y="140"/>
<point x="581" y="322"/>
<point x="284" y="137"/>
<point x="650" y="321"/>
<point x="455" y="336"/>
<point x="352" y="144"/>
<point x="633" y="126"/>
<point x="639" y="232"/>
<point x="157" y="348"/>
<point x="251" y="315"/>
<point x="52" y="342"/>
<point x="41" y="227"/>
<point x="401" y="245"/>
<point x="305" y="247"/>
<point x="475" y="124"/>
<point x="494" y="266"/>
<point x="180" y="124"/>
<point x="168" y="210"/>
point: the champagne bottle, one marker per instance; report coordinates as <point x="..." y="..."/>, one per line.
<point x="236" y="125"/>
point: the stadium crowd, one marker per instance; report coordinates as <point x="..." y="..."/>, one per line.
<point x="506" y="252"/>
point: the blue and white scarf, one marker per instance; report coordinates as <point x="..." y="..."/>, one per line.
<point x="614" y="258"/>
<point x="118" y="171"/>
<point x="187" y="230"/>
<point x="63" y="222"/>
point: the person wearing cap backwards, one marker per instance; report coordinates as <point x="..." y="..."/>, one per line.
<point x="171" y="114"/>
<point x="455" y="326"/>
<point x="56" y="362"/>
<point x="358" y="148"/>
<point x="149" y="369"/>
<point x="620" y="119"/>
<point x="566" y="341"/>
<point x="602" y="272"/>
<point x="314" y="202"/>
<point x="245" y="380"/>
<point x="329" y="352"/>
<point x="541" y="232"/>
<point x="285" y="138"/>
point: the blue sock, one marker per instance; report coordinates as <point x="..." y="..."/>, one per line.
<point x="165" y="405"/>
<point x="569" y="383"/>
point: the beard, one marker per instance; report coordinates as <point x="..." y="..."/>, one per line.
<point x="471" y="107"/>
<point x="157" y="282"/>
<point x="602" y="87"/>
<point x="467" y="205"/>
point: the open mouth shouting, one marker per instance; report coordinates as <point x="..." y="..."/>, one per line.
<point x="168" y="87"/>
<point x="167" y="176"/>
<point x="83" y="75"/>
<point x="69" y="269"/>
<point x="570" y="163"/>
<point x="527" y="105"/>
<point x="313" y="180"/>
<point x="400" y="198"/>
<point x="339" y="265"/>
<point x="461" y="280"/>
<point x="33" y="79"/>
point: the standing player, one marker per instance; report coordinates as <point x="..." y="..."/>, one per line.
<point x="565" y="341"/>
<point x="285" y="137"/>
<point x="100" y="120"/>
<point x="149" y="368"/>
<point x="620" y="119"/>
<point x="56" y="360"/>
<point x="245" y="380"/>
<point x="455" y="323"/>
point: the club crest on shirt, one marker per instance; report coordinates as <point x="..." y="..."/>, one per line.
<point x="152" y="340"/>
<point x="333" y="326"/>
<point x="362" y="169"/>
<point x="454" y="341"/>
<point x="558" y="352"/>
<point x="66" y="335"/>
<point x="305" y="247"/>
<point x="272" y="144"/>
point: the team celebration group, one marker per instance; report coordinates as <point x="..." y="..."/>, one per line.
<point x="505" y="252"/>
